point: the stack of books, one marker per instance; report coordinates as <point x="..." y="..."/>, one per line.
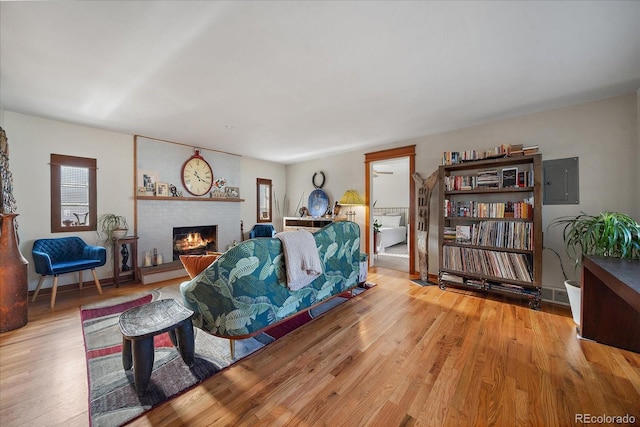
<point x="488" y="178"/>
<point x="449" y="234"/>
<point x="459" y="182"/>
<point x="448" y="277"/>
<point x="524" y="151"/>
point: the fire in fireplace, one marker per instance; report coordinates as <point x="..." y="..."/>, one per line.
<point x="194" y="240"/>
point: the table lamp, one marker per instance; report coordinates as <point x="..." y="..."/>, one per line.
<point x="351" y="198"/>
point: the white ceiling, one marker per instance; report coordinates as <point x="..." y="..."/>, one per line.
<point x="290" y="81"/>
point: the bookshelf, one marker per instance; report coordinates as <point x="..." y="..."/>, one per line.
<point x="490" y="227"/>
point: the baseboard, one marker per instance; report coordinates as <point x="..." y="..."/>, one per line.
<point x="160" y="273"/>
<point x="69" y="286"/>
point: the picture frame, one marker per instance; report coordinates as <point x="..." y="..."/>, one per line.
<point x="232" y="192"/>
<point x="162" y="189"/>
<point x="142" y="191"/>
<point x="509" y="177"/>
<point x="148" y="180"/>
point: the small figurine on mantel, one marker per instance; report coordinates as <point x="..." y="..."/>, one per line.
<point x="303" y="211"/>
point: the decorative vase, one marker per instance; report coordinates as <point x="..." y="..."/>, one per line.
<point x="575" y="299"/>
<point x="14" y="286"/>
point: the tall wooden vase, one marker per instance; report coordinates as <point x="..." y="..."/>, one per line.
<point x="13" y="278"/>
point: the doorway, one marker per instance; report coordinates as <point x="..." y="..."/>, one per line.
<point x="390" y="212"/>
<point x="390" y="196"/>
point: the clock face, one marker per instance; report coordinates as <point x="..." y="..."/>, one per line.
<point x="197" y="176"/>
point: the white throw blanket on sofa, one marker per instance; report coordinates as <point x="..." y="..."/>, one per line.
<point x="301" y="258"/>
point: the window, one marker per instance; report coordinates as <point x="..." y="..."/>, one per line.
<point x="264" y="200"/>
<point x="73" y="193"/>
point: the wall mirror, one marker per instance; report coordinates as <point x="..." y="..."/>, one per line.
<point x="264" y="200"/>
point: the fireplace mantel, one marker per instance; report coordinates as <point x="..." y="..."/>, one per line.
<point x="191" y="199"/>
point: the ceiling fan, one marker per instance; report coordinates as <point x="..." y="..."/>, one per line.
<point x="376" y="173"/>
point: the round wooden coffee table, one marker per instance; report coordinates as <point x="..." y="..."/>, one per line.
<point x="140" y="324"/>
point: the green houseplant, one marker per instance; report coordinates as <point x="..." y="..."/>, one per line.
<point x="110" y="226"/>
<point x="611" y="234"/>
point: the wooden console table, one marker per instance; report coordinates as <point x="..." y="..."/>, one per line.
<point x="294" y="223"/>
<point x="611" y="302"/>
<point x="125" y="268"/>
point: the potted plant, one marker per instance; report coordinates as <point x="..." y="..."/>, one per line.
<point x="610" y="234"/>
<point x="112" y="225"/>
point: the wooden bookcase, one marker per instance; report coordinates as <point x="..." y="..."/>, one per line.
<point x="504" y="255"/>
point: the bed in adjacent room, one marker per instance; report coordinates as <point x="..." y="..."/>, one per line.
<point x="392" y="228"/>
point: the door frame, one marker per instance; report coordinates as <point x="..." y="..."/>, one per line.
<point x="393" y="153"/>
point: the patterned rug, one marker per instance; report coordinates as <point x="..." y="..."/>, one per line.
<point x="113" y="400"/>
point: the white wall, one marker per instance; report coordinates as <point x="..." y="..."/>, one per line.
<point x="157" y="218"/>
<point x="251" y="170"/>
<point x="343" y="172"/>
<point x="31" y="141"/>
<point x="392" y="190"/>
<point x="603" y="134"/>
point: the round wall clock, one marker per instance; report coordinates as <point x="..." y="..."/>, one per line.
<point x="197" y="176"/>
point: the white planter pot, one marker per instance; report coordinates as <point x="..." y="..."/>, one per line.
<point x="119" y="233"/>
<point x="575" y="299"/>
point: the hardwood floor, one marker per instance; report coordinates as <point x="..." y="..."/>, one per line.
<point x="399" y="354"/>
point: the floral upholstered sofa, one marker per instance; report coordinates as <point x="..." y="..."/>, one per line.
<point x="245" y="290"/>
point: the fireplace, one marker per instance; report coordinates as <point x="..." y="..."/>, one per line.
<point x="194" y="240"/>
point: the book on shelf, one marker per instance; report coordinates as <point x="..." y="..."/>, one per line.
<point x="525" y="151"/>
<point x="451" y="278"/>
<point x="507" y="287"/>
<point x="525" y="179"/>
<point x="463" y="234"/>
<point x="509" y="177"/>
<point x="514" y="148"/>
<point x="460" y="182"/>
<point x="455" y="157"/>
<point x="449" y="234"/>
<point x="473" y="209"/>
<point x="506" y="265"/>
<point x="503" y="234"/>
<point x="488" y="178"/>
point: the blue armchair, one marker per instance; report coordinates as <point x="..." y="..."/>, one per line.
<point x="52" y="257"/>
<point x="262" y="230"/>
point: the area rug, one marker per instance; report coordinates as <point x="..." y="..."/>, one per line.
<point x="113" y="400"/>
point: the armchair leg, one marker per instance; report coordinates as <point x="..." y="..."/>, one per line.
<point x="232" y="348"/>
<point x="80" y="279"/>
<point x="95" y="279"/>
<point x="35" y="294"/>
<point x="54" y="290"/>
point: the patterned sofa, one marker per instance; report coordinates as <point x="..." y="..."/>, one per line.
<point x="244" y="291"/>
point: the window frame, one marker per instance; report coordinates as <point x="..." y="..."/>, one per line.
<point x="56" y="162"/>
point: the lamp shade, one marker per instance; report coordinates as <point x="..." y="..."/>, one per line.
<point x="351" y="197"/>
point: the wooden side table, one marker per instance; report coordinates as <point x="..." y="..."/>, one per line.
<point x="125" y="259"/>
